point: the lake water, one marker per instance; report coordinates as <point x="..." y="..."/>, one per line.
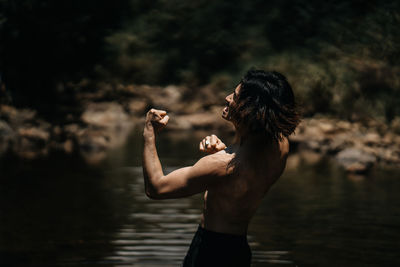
<point x="63" y="212"/>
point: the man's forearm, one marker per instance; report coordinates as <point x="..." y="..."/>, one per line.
<point x="152" y="169"/>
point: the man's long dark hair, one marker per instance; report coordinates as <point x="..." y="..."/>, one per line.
<point x="266" y="105"/>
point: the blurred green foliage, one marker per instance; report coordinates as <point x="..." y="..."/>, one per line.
<point x="342" y="57"/>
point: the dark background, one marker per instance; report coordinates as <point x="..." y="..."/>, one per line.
<point x="342" y="57"/>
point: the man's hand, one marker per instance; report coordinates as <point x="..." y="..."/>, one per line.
<point x="156" y="120"/>
<point x="211" y="144"/>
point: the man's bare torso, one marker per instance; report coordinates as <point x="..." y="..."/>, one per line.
<point x="229" y="206"/>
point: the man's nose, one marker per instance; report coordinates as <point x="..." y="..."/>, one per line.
<point x="229" y="97"/>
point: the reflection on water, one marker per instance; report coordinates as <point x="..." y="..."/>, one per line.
<point x="156" y="233"/>
<point x="62" y="212"/>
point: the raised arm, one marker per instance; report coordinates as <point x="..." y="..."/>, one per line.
<point x="182" y="182"/>
<point x="152" y="169"/>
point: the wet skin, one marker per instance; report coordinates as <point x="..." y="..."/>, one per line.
<point x="234" y="178"/>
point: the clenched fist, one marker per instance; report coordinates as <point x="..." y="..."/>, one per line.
<point x="156" y="119"/>
<point x="211" y="144"/>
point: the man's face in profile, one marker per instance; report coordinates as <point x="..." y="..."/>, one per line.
<point x="230" y="104"/>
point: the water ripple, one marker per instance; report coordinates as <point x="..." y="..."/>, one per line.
<point x="159" y="232"/>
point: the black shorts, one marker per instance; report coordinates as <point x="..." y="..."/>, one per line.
<point x="210" y="249"/>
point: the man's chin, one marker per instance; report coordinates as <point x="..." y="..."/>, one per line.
<point x="225" y="116"/>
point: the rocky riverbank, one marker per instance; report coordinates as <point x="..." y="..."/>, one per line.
<point x="357" y="147"/>
<point x="101" y="126"/>
<point x="106" y="118"/>
<point x="109" y="114"/>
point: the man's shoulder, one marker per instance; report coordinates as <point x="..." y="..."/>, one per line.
<point x="217" y="163"/>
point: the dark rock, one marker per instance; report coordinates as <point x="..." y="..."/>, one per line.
<point x="356" y="160"/>
<point x="105" y="115"/>
<point x="395" y="125"/>
<point x="137" y="107"/>
<point x="108" y="126"/>
<point x="7" y="136"/>
<point x="68" y="146"/>
<point x="17" y="117"/>
<point x="204" y="120"/>
<point x="168" y="98"/>
<point x="93" y="141"/>
<point x="71" y="129"/>
<point x="339" y="143"/>
<point x="32" y="142"/>
<point x="372" y="139"/>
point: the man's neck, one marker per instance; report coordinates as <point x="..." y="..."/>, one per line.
<point x="253" y="140"/>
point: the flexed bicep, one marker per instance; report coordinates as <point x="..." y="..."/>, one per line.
<point x="187" y="181"/>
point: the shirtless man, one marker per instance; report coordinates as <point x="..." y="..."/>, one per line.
<point x="234" y="178"/>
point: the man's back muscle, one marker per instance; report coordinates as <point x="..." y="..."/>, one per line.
<point x="230" y="205"/>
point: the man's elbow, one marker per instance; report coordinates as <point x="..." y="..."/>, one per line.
<point x="155" y="194"/>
